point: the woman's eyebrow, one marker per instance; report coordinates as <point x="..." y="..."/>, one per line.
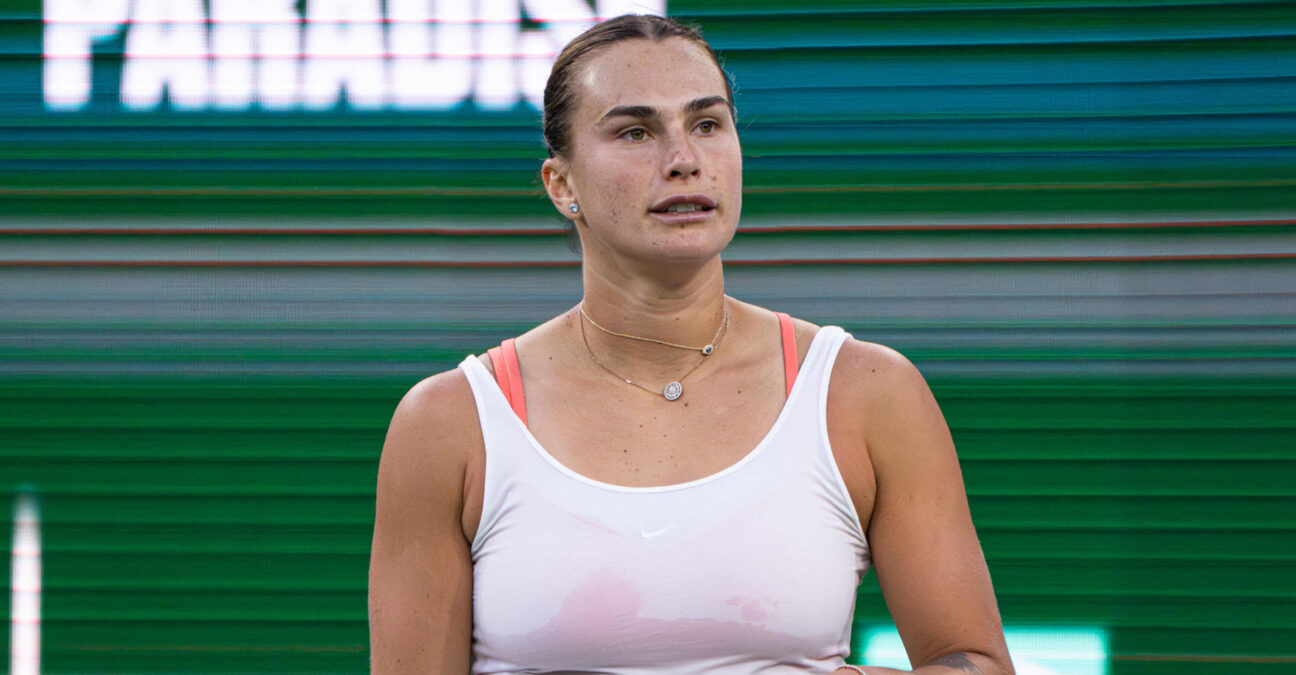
<point x="642" y="112"/>
<point x="647" y="112"/>
<point x="700" y="104"/>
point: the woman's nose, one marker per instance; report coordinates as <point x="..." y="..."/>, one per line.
<point x="683" y="160"/>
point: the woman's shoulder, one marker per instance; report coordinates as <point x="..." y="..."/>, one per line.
<point x="438" y="395"/>
<point x="859" y="358"/>
<point x="873" y="372"/>
<point x="878" y="360"/>
<point x="882" y="418"/>
<point x="434" y="424"/>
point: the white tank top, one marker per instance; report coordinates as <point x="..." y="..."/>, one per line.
<point x="753" y="569"/>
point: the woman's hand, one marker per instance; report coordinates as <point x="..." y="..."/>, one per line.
<point x="950" y="663"/>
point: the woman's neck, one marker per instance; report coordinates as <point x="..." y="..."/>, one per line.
<point x="684" y="309"/>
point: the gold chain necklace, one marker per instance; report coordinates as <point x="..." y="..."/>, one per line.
<point x="705" y="349"/>
<point x="673" y="390"/>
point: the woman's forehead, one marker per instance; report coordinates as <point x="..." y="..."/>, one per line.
<point x="666" y="74"/>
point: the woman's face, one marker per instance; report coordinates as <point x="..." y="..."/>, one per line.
<point x="654" y="160"/>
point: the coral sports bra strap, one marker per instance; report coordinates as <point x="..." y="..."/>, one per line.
<point x="789" y="350"/>
<point x="501" y="376"/>
<point x="504" y="360"/>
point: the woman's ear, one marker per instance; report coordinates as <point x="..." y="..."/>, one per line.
<point x="554" y="175"/>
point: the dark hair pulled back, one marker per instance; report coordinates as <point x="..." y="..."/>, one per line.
<point x="560" y="96"/>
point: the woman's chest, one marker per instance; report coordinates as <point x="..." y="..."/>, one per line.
<point x="575" y="584"/>
<point x="627" y="437"/>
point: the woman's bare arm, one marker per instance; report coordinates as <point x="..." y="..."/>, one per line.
<point x="420" y="572"/>
<point x="925" y="551"/>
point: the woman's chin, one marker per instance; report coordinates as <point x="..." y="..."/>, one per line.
<point x="694" y="245"/>
<point x="673" y="246"/>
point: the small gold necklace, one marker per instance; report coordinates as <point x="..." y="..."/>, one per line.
<point x="706" y="349"/>
<point x="674" y="389"/>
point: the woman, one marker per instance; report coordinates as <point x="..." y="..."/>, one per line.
<point x="665" y="479"/>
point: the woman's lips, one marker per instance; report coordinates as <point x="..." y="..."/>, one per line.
<point x="684" y="218"/>
<point x="696" y="198"/>
<point x="703" y="208"/>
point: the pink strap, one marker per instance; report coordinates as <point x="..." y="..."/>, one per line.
<point x="501" y="376"/>
<point x="789" y="350"/>
<point x="508" y="375"/>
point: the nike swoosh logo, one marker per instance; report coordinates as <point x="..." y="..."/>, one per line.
<point x="649" y="534"/>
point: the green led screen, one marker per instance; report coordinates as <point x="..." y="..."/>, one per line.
<point x="233" y="233"/>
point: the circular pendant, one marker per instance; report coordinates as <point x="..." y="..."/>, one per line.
<point x="673" y="391"/>
<point x="706" y="351"/>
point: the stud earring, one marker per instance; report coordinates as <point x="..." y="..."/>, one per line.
<point x="573" y="207"/>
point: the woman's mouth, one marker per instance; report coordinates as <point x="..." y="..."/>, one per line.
<point x="684" y="208"/>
